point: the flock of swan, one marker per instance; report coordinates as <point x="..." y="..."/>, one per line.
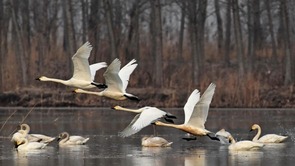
<point x="116" y="82"/>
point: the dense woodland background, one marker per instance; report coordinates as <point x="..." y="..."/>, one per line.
<point x="245" y="46"/>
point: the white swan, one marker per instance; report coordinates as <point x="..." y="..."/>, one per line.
<point x="146" y="116"/>
<point x="24" y="133"/>
<point x="65" y="139"/>
<point x="268" y="138"/>
<point x="151" y="141"/>
<point x="25" y="145"/>
<point x="223" y="136"/>
<point x="116" y="81"/>
<point x="243" y="145"/>
<point x="196" y="112"/>
<point x="83" y="76"/>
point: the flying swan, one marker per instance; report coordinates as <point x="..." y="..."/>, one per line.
<point x="145" y="116"/>
<point x="116" y="81"/>
<point x="84" y="74"/>
<point x="196" y="112"/>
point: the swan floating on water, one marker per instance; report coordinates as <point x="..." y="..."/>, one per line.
<point x="243" y="145"/>
<point x="25" y="145"/>
<point x="268" y="138"/>
<point x="65" y="139"/>
<point x="151" y="141"/>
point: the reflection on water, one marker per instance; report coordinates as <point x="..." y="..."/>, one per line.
<point x="105" y="147"/>
<point x="245" y="157"/>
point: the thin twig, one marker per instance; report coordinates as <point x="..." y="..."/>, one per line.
<point x="7" y="120"/>
<point x="23" y="119"/>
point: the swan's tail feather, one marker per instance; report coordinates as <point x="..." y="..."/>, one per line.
<point x="99" y="85"/>
<point x="132" y="97"/>
<point x="213" y="137"/>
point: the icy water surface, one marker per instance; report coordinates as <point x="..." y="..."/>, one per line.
<point x="101" y="125"/>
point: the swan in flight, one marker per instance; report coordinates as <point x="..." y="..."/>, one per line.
<point x="25" y="145"/>
<point x="243" y="145"/>
<point x="268" y="138"/>
<point x="116" y="81"/>
<point x="24" y="133"/>
<point x="83" y="75"/>
<point x="65" y="139"/>
<point x="223" y="136"/>
<point x="151" y="141"/>
<point x="196" y="112"/>
<point x="145" y="116"/>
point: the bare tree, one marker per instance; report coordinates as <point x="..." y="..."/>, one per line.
<point x="271" y="31"/>
<point x="238" y="38"/>
<point x="287" y="42"/>
<point x="156" y="40"/>
<point x="109" y="19"/>
<point x="220" y="42"/>
<point x="227" y="33"/>
<point x="20" y="51"/>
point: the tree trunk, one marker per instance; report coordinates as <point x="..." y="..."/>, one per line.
<point x="238" y="38"/>
<point x="251" y="35"/>
<point x="109" y="19"/>
<point x="271" y="31"/>
<point x="132" y="48"/>
<point x="201" y="16"/>
<point x="1" y="44"/>
<point x="220" y="41"/>
<point x="181" y="31"/>
<point x="227" y="34"/>
<point x="20" y="52"/>
<point x="94" y="28"/>
<point x="287" y="44"/>
<point x="157" y="38"/>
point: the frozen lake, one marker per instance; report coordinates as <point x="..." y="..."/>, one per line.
<point x="105" y="147"/>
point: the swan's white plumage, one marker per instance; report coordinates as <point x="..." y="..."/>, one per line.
<point x="244" y="145"/>
<point x="116" y="81"/>
<point x="66" y="139"/>
<point x="82" y="75"/>
<point x="155" y="142"/>
<point x="95" y="67"/>
<point x="200" y="111"/>
<point x="195" y="124"/>
<point x="223" y="136"/>
<point x="81" y="64"/>
<point x="190" y="105"/>
<point x="125" y="73"/>
<point x="268" y="138"/>
<point x="147" y="116"/>
<point x="25" y="145"/>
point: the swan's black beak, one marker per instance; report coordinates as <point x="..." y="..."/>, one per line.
<point x="38" y="79"/>
<point x="58" y="138"/>
<point x="250" y="130"/>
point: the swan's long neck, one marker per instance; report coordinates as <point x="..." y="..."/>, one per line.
<point x="128" y="110"/>
<point x="65" y="82"/>
<point x="258" y="134"/>
<point x="158" y="123"/>
<point x="232" y="139"/>
<point x="65" y="139"/>
<point x="27" y="129"/>
<point x="89" y="92"/>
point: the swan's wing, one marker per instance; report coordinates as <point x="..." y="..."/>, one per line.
<point x="76" y="138"/>
<point x="200" y="113"/>
<point x="190" y="104"/>
<point x="81" y="64"/>
<point x="126" y="71"/>
<point x="148" y="116"/>
<point x="95" y="67"/>
<point x="111" y="76"/>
